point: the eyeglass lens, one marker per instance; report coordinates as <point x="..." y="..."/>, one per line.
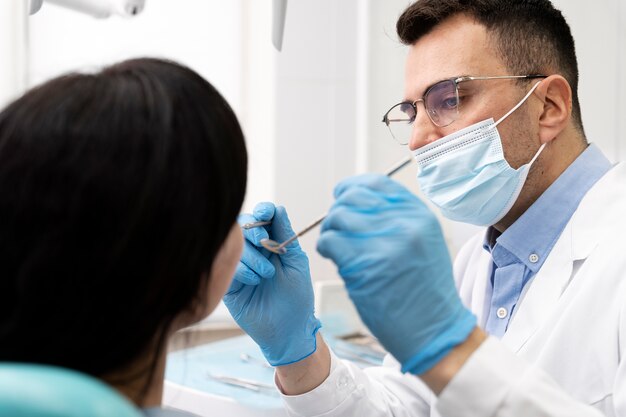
<point x="442" y="106"/>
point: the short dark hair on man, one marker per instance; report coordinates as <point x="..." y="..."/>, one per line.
<point x="531" y="36"/>
<point x="117" y="190"/>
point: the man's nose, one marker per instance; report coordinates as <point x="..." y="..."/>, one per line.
<point x="424" y="130"/>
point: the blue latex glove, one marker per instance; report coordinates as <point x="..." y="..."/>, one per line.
<point x="390" y="252"/>
<point x="271" y="296"/>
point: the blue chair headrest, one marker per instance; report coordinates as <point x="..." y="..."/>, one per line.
<point x="30" y="390"/>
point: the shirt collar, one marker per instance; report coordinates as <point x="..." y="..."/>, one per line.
<point x="531" y="238"/>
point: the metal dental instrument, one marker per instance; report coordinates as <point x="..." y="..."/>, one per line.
<point x="251" y="359"/>
<point x="279" y="248"/>
<point x="254" y="224"/>
<point x="346" y="353"/>
<point x="242" y="383"/>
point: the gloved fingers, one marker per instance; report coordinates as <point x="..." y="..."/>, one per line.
<point x="360" y="209"/>
<point x="256" y="263"/>
<point x="264" y="211"/>
<point x="375" y="182"/>
<point x="235" y="287"/>
<point x="256" y="234"/>
<point x="281" y="229"/>
<point x="350" y="220"/>
<point x="361" y="198"/>
<point x="245" y="275"/>
<point x="338" y="247"/>
<point x="398" y="206"/>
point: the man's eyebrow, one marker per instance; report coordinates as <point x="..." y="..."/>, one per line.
<point x="406" y="100"/>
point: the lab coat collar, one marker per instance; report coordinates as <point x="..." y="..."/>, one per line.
<point x="589" y="229"/>
<point x="581" y="236"/>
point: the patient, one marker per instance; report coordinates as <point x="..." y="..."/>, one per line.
<point x="119" y="193"/>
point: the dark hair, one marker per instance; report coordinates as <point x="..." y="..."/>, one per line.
<point x="117" y="189"/>
<point x="531" y="36"/>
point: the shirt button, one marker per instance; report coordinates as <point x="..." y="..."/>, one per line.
<point x="534" y="258"/>
<point x="501" y="313"/>
<point x="343" y="382"/>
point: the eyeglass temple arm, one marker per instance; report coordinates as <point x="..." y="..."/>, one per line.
<point x="500" y="77"/>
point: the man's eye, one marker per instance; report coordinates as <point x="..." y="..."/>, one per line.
<point x="449" y="103"/>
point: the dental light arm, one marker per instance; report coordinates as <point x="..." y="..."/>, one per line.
<point x="279" y="12"/>
<point x="97" y="8"/>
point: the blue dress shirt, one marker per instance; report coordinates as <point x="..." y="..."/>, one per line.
<point x="520" y="251"/>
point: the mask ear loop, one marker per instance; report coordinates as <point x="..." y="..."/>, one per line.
<point x="532" y="90"/>
<point x="522" y="101"/>
<point x="532" y="161"/>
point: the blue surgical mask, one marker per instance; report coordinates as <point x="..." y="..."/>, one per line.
<point x="466" y="176"/>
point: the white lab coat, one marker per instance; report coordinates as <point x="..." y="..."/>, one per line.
<point x="562" y="354"/>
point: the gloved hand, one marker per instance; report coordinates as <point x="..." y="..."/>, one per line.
<point x="271" y="296"/>
<point x="390" y="252"/>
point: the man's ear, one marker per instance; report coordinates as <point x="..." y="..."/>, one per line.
<point x="556" y="95"/>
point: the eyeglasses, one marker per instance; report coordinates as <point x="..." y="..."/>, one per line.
<point x="442" y="103"/>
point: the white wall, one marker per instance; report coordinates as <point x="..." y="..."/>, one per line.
<point x="315" y="113"/>
<point x="599" y="30"/>
<point x="203" y="34"/>
<point x="13" y="35"/>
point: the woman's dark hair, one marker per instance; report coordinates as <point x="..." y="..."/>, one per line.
<point x="117" y="190"/>
<point x="531" y="36"/>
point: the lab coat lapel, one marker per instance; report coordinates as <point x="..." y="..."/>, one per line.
<point x="480" y="291"/>
<point x="472" y="272"/>
<point x="591" y="221"/>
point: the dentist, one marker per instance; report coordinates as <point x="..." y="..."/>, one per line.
<point x="531" y="320"/>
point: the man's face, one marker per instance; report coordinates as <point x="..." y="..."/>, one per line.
<point x="457" y="47"/>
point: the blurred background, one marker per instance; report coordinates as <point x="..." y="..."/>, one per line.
<point x="312" y="112"/>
